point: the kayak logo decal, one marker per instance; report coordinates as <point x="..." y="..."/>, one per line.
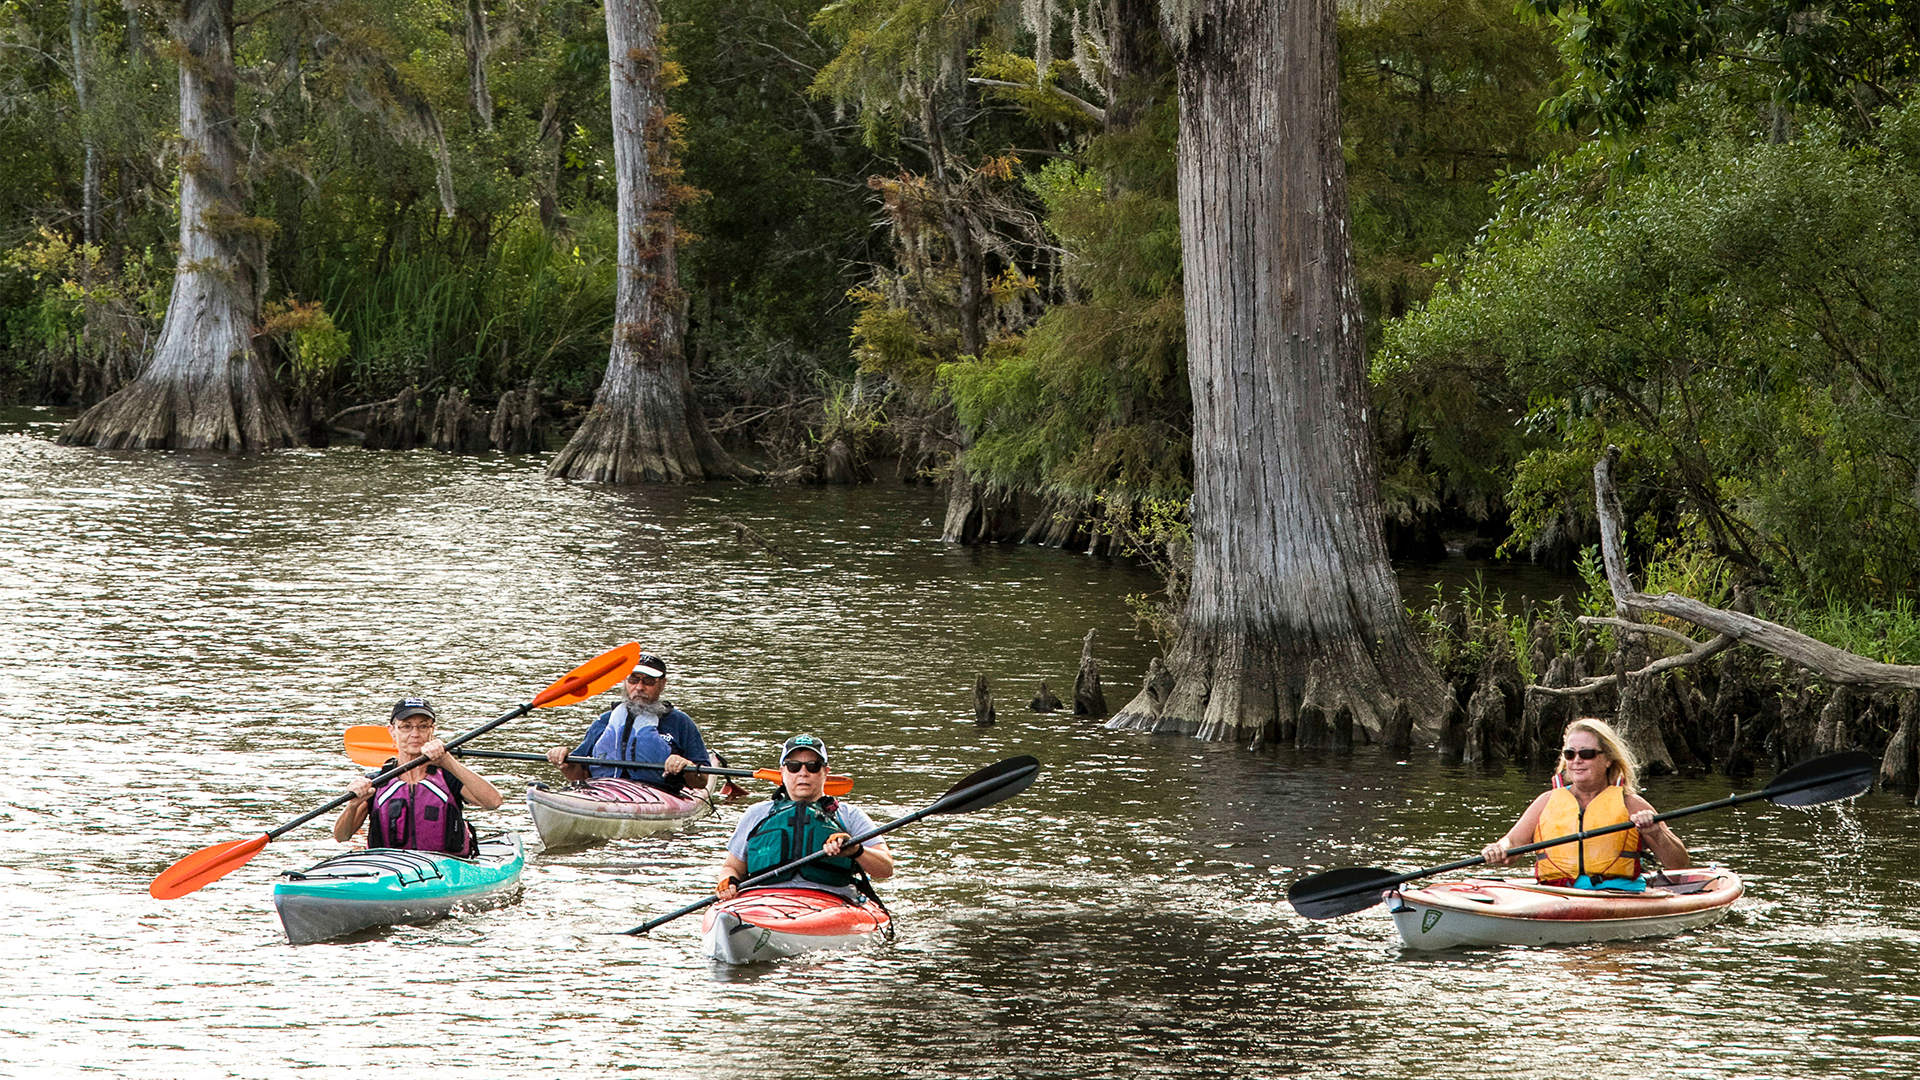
<point x="1427" y="921"/>
<point x="765" y="934"/>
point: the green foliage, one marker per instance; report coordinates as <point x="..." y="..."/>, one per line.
<point x="1438" y="101"/>
<point x="784" y="229"/>
<point x="1742" y="319"/>
<point x="1889" y="634"/>
<point x="1629" y="57"/>
<point x="74" y="311"/>
<point x="1093" y="399"/>
<point x="1461" y="634"/>
<point x="533" y="307"/>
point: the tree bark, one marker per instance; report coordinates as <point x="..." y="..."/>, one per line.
<point x="645" y="425"/>
<point x="206" y="387"/>
<point x="479" y="97"/>
<point x="1293" y="610"/>
<point x="82" y="25"/>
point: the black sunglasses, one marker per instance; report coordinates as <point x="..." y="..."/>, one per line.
<point x="1585" y="753"/>
<point x="643" y="680"/>
<point x="810" y="766"/>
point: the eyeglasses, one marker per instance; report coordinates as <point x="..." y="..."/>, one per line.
<point x="810" y="766"/>
<point x="1585" y="753"/>
<point x="643" y="680"/>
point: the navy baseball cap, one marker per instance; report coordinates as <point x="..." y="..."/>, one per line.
<point x="413" y="706"/>
<point x="650" y="664"/>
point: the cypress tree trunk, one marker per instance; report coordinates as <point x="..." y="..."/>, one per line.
<point x="1294" y="611"/>
<point x="479" y="97"/>
<point x="205" y="388"/>
<point x="82" y="25"/>
<point x="645" y="425"/>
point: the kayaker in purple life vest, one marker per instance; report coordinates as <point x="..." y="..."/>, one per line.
<point x="798" y="821"/>
<point x="421" y="809"/>
<point x="1593" y="788"/>
<point x="641" y="728"/>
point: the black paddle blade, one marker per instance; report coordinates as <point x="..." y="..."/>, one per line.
<point x="1824" y="780"/>
<point x="1341" y="892"/>
<point x="988" y="786"/>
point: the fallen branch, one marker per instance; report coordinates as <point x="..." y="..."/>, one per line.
<point x="1834" y="665"/>
<point x="334" y="420"/>
<point x="747" y="535"/>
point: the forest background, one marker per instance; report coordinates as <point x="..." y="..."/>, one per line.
<point x="947" y="235"/>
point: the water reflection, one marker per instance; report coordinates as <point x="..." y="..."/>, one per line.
<point x="187" y="637"/>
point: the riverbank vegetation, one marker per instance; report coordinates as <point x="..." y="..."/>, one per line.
<point x="950" y="236"/>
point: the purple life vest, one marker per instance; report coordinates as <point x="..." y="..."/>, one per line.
<point x="420" y="817"/>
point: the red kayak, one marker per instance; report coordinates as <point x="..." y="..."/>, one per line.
<point x="764" y="924"/>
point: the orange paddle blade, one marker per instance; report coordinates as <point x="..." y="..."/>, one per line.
<point x="205" y="866"/>
<point x="590" y="678"/>
<point x="369" y="744"/>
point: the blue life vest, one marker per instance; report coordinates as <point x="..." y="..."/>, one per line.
<point x="420" y="817"/>
<point x="626" y="740"/>
<point x="794" y="830"/>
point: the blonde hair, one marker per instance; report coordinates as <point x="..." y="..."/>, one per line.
<point x="1622" y="769"/>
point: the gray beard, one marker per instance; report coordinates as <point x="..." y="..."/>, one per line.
<point x="652" y="712"/>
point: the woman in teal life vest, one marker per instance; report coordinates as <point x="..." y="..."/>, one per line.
<point x="799" y="821"/>
<point x="422" y="808"/>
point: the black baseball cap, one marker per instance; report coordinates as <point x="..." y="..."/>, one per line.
<point x="803" y="742"/>
<point x="650" y="664"/>
<point x="413" y="706"/>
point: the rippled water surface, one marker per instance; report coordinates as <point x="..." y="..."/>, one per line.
<point x="184" y="638"/>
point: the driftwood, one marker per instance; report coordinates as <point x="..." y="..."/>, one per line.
<point x="1833" y="665"/>
<point x="747" y="536"/>
<point x="982" y="701"/>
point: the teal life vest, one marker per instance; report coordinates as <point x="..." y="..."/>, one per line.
<point x="794" y="830"/>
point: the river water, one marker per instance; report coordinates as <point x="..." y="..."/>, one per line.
<point x="183" y="639"/>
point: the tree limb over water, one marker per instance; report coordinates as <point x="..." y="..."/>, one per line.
<point x="1834" y="665"/>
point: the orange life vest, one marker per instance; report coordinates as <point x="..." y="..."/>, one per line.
<point x="1615" y="855"/>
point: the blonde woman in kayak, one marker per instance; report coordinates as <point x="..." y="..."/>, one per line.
<point x="1593" y="788"/>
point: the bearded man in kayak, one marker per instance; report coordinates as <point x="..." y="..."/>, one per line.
<point x="798" y="821"/>
<point x="641" y="728"/>
<point x="418" y="809"/>
<point x="1592" y="788"/>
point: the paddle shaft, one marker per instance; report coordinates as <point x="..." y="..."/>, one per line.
<point x="940" y="805"/>
<point x="397" y="769"/>
<point x="509" y="755"/>
<point x="1538" y="845"/>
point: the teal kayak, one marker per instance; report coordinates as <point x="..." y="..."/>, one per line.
<point x="391" y="886"/>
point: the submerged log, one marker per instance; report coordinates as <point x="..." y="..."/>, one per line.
<point x="982" y="701"/>
<point x="746" y="535"/>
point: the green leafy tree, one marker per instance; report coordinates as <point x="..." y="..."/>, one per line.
<point x="1742" y="318"/>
